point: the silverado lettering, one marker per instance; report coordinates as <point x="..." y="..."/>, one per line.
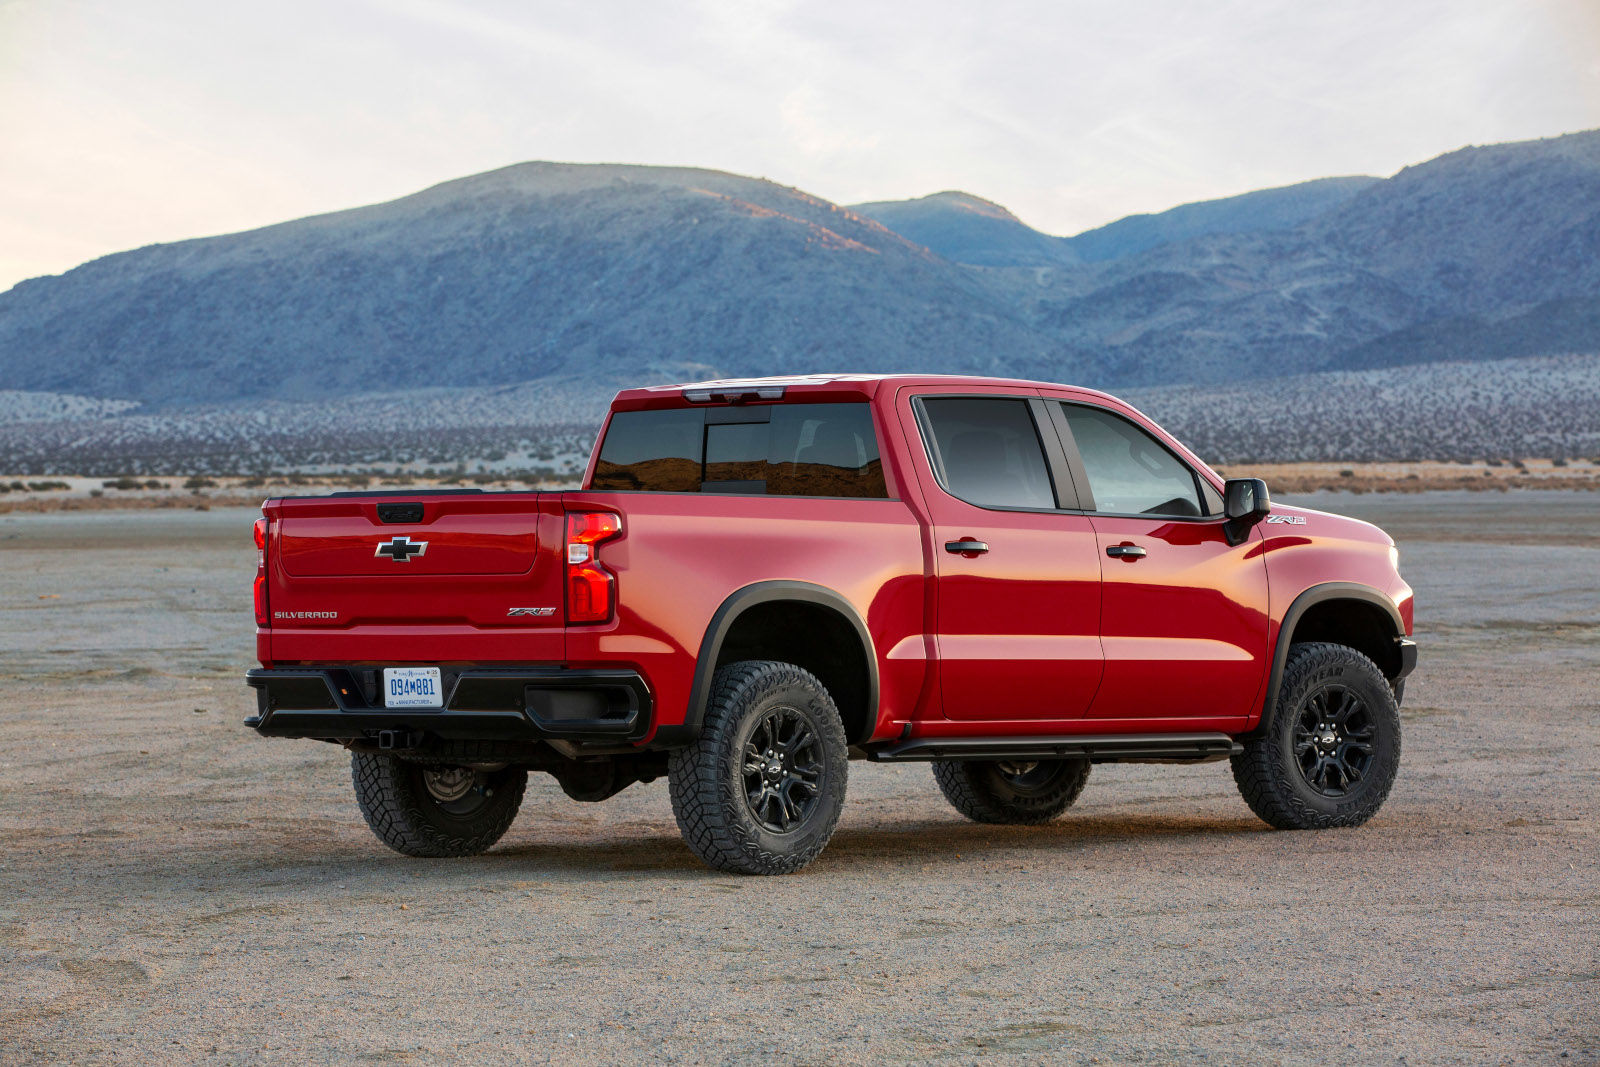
<point x="761" y="580"/>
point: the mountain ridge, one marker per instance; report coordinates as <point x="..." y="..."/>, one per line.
<point x="542" y="270"/>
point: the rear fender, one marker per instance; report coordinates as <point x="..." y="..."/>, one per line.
<point x="742" y="600"/>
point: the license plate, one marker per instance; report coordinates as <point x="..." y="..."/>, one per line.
<point x="412" y="687"/>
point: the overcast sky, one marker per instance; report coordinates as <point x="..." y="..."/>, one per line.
<point x="127" y="122"/>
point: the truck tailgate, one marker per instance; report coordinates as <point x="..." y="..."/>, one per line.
<point x="474" y="577"/>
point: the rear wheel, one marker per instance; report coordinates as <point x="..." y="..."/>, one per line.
<point x="1329" y="755"/>
<point x="1015" y="791"/>
<point x="759" y="792"/>
<point x="435" y="809"/>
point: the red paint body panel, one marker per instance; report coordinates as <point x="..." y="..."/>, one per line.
<point x="1184" y="629"/>
<point x="1016" y="629"/>
<point x="486" y="554"/>
<point x="1042" y="634"/>
<point x="674" y="571"/>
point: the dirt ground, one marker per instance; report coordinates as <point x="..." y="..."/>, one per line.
<point x="174" y="888"/>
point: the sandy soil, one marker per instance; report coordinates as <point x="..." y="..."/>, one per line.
<point x="174" y="888"/>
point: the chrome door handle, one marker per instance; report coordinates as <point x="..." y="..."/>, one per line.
<point x="959" y="547"/>
<point x="1125" y="552"/>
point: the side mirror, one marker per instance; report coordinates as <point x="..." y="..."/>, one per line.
<point x="1245" y="502"/>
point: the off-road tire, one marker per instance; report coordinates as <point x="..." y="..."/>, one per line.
<point x="1270" y="771"/>
<point x="711" y="797"/>
<point x="395" y="800"/>
<point x="990" y="792"/>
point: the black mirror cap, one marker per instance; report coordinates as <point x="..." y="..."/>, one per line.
<point x="1246" y="498"/>
<point x="1245" y="502"/>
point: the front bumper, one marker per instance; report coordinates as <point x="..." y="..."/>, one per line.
<point x="1408" y="657"/>
<point x="484" y="704"/>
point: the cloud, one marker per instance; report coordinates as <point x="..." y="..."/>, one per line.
<point x="127" y="124"/>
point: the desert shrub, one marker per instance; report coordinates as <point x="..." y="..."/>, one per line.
<point x="199" y="482"/>
<point x="122" y="483"/>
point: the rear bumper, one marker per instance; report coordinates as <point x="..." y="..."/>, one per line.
<point x="484" y="704"/>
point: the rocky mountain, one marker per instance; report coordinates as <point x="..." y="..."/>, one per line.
<point x="1264" y="210"/>
<point x="531" y="272"/>
<point x="543" y="272"/>
<point x="967" y="229"/>
<point x="1480" y="254"/>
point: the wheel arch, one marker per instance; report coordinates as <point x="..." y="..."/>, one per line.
<point x="756" y="622"/>
<point x="1344" y="613"/>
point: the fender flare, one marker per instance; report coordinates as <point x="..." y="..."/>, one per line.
<point x="749" y="596"/>
<point x="1308" y="599"/>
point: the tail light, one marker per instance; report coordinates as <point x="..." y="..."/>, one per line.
<point x="591" y="588"/>
<point x="261" y="572"/>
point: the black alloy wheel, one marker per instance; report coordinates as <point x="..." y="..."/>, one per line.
<point x="1334" y="740"/>
<point x="784" y="772"/>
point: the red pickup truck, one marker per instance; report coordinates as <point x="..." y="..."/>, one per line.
<point x="762" y="580"/>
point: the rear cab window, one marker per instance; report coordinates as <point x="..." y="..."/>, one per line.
<point x="986" y="450"/>
<point x="825" y="450"/>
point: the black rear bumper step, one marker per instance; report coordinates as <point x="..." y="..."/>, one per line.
<point x="1097" y="748"/>
<point x="484" y="704"/>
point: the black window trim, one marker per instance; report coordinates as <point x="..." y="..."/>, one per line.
<point x="1080" y="473"/>
<point x="1063" y="480"/>
<point x="742" y="413"/>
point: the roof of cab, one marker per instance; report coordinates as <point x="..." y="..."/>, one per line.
<point x="818" y="386"/>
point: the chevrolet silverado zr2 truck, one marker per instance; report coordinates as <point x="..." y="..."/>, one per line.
<point x="762" y="580"/>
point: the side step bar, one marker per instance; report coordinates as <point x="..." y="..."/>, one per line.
<point x="1102" y="748"/>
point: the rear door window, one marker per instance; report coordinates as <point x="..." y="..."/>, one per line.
<point x="779" y="450"/>
<point x="987" y="451"/>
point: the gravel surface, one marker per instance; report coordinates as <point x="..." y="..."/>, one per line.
<point x="174" y="888"/>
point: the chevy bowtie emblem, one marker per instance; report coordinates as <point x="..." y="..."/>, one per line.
<point x="401" y="549"/>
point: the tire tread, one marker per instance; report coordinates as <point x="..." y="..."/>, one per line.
<point x="1263" y="777"/>
<point x="391" y="805"/>
<point x="696" y="772"/>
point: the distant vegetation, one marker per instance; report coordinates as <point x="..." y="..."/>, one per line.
<point x="1497" y="411"/>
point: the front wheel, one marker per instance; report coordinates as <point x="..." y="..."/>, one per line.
<point x="1015" y="792"/>
<point x="435" y="810"/>
<point x="1329" y="755"/>
<point x="760" y="790"/>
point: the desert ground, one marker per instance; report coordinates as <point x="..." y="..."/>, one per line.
<point x="174" y="888"/>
